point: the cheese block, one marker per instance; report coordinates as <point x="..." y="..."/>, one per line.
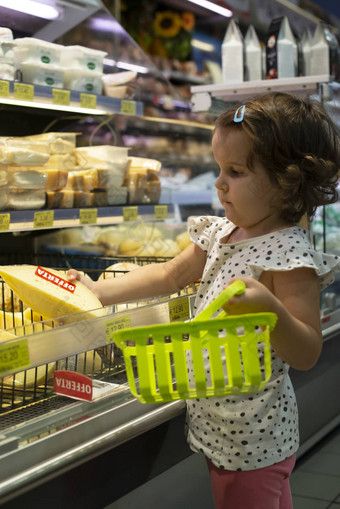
<point x="59" y="142"/>
<point x="48" y="292"/>
<point x="24" y="199"/>
<point x="109" y="197"/>
<point x="3" y="176"/>
<point x="9" y="320"/>
<point x="82" y="199"/>
<point x="3" y="199"/>
<point x="59" y="199"/>
<point x="29" y="377"/>
<point x="9" y="301"/>
<point x="26" y="179"/>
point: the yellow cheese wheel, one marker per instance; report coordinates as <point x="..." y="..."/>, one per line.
<point x="49" y="293"/>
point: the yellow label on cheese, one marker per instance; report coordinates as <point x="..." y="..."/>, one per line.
<point x="88" y="216"/>
<point x="24" y="92"/>
<point x="4" y="222"/>
<point x="43" y="219"/>
<point x="4" y="88"/>
<point x="114" y="325"/>
<point x="88" y="101"/>
<point x="14" y="356"/>
<point x="179" y="309"/>
<point x="128" y="107"/>
<point x="161" y="211"/>
<point x="130" y="213"/>
<point x="62" y="97"/>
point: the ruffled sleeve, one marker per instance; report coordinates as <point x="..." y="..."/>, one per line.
<point x="325" y="265"/>
<point x="204" y="230"/>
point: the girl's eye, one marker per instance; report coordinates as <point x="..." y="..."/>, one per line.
<point x="235" y="172"/>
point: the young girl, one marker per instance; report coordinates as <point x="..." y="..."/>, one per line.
<point x="278" y="157"/>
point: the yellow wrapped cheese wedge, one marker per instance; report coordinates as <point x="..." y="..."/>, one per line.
<point x="49" y="293"/>
<point x="29" y="377"/>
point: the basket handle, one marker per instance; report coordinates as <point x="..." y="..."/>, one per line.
<point x="236" y="288"/>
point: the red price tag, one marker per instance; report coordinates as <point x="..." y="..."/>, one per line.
<point x="74" y="385"/>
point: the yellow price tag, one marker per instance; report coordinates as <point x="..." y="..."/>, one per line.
<point x="130" y="213"/>
<point x="62" y="97"/>
<point x="88" y="216"/>
<point x="43" y="219"/>
<point x="116" y="324"/>
<point x="4" y="222"/>
<point x="88" y="101"/>
<point x="179" y="309"/>
<point x="161" y="211"/>
<point x="128" y="107"/>
<point x="23" y="91"/>
<point x="14" y="356"/>
<point x="4" y="88"/>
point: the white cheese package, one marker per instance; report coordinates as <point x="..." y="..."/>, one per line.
<point x="29" y="178"/>
<point x="59" y="142"/>
<point x="28" y="199"/>
<point x="83" y="80"/>
<point x="80" y="57"/>
<point x="30" y="49"/>
<point x="102" y="157"/>
<point x="49" y="293"/>
<point x="19" y="152"/>
<point x="40" y="74"/>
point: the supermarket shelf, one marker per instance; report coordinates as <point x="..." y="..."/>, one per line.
<point x="203" y="94"/>
<point x="37" y="96"/>
<point x="20" y="220"/>
<point x="83" y="333"/>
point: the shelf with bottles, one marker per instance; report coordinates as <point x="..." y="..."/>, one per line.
<point x="305" y="85"/>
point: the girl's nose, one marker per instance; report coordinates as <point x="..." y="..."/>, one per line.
<point x="219" y="184"/>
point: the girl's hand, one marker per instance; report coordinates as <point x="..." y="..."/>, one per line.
<point x="75" y="275"/>
<point x="255" y="299"/>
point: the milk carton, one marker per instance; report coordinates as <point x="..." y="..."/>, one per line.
<point x="232" y="54"/>
<point x="281" y="52"/>
<point x="306" y="41"/>
<point x="252" y="56"/>
<point x="324" y="53"/>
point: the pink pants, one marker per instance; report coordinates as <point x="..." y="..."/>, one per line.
<point x="264" y="488"/>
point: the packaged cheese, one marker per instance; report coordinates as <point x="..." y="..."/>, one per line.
<point x="59" y="142"/>
<point x="60" y="199"/>
<point x="19" y="152"/>
<point x="48" y="292"/>
<point x="18" y="199"/>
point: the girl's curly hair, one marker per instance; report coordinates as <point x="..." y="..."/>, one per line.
<point x="297" y="143"/>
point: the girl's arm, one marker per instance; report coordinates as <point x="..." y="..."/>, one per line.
<point x="148" y="280"/>
<point x="295" y="297"/>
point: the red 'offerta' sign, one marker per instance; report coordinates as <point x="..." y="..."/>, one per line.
<point x="56" y="280"/>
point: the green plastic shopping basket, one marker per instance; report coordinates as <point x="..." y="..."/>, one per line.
<point x="200" y="358"/>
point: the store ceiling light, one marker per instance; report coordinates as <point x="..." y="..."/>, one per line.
<point x="213" y="7"/>
<point x="32" y="7"/>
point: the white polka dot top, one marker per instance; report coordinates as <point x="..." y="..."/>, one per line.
<point x="249" y="431"/>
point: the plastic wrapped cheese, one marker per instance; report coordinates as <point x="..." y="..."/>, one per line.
<point x="48" y="292"/>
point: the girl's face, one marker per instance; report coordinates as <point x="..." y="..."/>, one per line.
<point x="247" y="196"/>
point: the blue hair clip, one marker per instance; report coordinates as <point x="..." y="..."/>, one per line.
<point x="237" y="117"/>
